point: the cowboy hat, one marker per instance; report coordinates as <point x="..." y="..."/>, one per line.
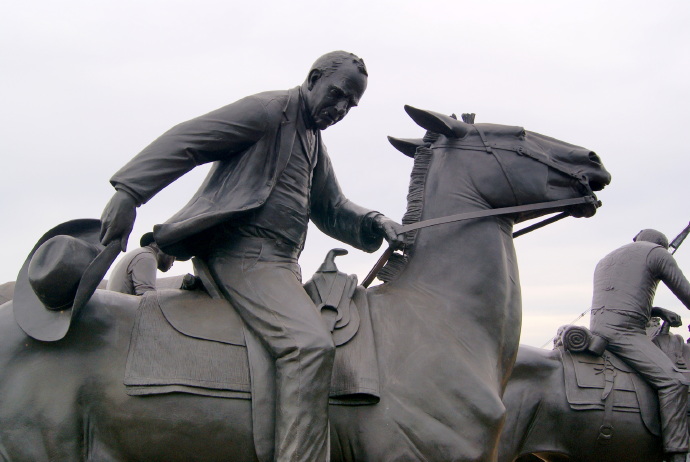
<point x="59" y="276"/>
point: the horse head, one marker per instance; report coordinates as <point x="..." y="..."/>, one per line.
<point x="506" y="165"/>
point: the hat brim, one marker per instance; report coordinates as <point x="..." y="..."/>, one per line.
<point x="47" y="325"/>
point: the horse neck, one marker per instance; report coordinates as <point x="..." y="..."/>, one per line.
<point x="453" y="253"/>
<point x="464" y="254"/>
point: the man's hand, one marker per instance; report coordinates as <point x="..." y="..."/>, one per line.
<point x="118" y="218"/>
<point x="672" y="318"/>
<point x="390" y="230"/>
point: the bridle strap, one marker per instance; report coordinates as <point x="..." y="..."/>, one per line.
<point x="588" y="198"/>
<point x="521" y="151"/>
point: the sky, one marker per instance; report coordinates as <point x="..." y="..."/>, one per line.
<point x="85" y="85"/>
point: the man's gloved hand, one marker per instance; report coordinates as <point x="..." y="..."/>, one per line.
<point x="390" y="230"/>
<point x="191" y="282"/>
<point x="118" y="218"/>
<point x="672" y="318"/>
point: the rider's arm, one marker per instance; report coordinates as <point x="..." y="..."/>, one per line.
<point x="211" y="137"/>
<point x="214" y="136"/>
<point x="337" y="216"/>
<point x="668" y="271"/>
<point x="143" y="272"/>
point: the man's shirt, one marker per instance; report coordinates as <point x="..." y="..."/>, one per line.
<point x="627" y="278"/>
<point x="135" y="274"/>
<point x="285" y="215"/>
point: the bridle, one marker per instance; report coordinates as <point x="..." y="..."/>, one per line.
<point x="589" y="198"/>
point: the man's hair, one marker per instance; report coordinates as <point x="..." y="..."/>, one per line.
<point x="328" y="63"/>
<point x="652" y="235"/>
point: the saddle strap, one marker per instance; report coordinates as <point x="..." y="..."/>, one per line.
<point x="606" y="428"/>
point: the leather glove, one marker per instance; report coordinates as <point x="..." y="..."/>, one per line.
<point x="390" y="230"/>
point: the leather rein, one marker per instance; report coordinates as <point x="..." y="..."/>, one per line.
<point x="589" y="198"/>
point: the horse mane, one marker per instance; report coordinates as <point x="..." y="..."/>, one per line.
<point x="415" y="205"/>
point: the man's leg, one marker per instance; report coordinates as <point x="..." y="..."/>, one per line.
<point x="656" y="368"/>
<point x="268" y="294"/>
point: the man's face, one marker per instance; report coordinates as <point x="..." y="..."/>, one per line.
<point x="165" y="261"/>
<point x="329" y="98"/>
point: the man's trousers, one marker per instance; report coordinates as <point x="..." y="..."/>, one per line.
<point x="625" y="332"/>
<point x="262" y="279"/>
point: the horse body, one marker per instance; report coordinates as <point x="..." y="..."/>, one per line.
<point x="540" y="421"/>
<point x="446" y="330"/>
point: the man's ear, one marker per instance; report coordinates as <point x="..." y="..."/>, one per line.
<point x="314" y="76"/>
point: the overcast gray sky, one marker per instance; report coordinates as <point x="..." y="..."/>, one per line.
<point x="87" y="84"/>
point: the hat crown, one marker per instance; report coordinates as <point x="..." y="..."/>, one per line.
<point x="56" y="268"/>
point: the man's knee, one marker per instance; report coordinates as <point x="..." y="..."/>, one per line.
<point x="674" y="384"/>
<point x="316" y="344"/>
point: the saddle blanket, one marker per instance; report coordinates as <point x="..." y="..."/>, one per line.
<point x="168" y="353"/>
<point x="585" y="384"/>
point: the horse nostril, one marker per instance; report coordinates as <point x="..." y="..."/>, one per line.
<point x="594" y="158"/>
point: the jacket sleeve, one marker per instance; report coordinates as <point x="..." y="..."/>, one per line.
<point x="336" y="215"/>
<point x="668" y="271"/>
<point x="211" y="137"/>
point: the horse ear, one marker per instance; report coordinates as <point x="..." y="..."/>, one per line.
<point x="438" y="123"/>
<point x="407" y="146"/>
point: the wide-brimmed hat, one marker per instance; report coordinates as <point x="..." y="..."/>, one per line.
<point x="59" y="276"/>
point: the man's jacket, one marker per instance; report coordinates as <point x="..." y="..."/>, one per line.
<point x="250" y="142"/>
<point x="626" y="279"/>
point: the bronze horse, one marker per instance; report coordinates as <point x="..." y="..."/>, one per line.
<point x="541" y="426"/>
<point x="446" y="330"/>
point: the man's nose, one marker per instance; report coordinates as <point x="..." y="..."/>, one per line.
<point x="341" y="108"/>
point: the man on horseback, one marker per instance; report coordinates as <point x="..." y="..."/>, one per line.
<point x="248" y="222"/>
<point x="625" y="282"/>
<point x="135" y="274"/>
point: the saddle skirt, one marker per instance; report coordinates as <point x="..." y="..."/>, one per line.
<point x="194" y="342"/>
<point x="592" y="380"/>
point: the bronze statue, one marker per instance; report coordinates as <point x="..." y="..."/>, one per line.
<point x="629" y="404"/>
<point x="445" y="327"/>
<point x="135" y="274"/>
<point x="575" y="405"/>
<point x="625" y="282"/>
<point x="248" y="222"/>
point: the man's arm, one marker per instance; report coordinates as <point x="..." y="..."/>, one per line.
<point x="214" y="136"/>
<point x="344" y="220"/>
<point x="668" y="271"/>
<point x="143" y="271"/>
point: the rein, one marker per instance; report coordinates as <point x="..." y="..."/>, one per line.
<point x="500" y="211"/>
<point x="482" y="214"/>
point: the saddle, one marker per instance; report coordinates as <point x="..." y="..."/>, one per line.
<point x="195" y="342"/>
<point x="607" y="384"/>
<point x="596" y="379"/>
